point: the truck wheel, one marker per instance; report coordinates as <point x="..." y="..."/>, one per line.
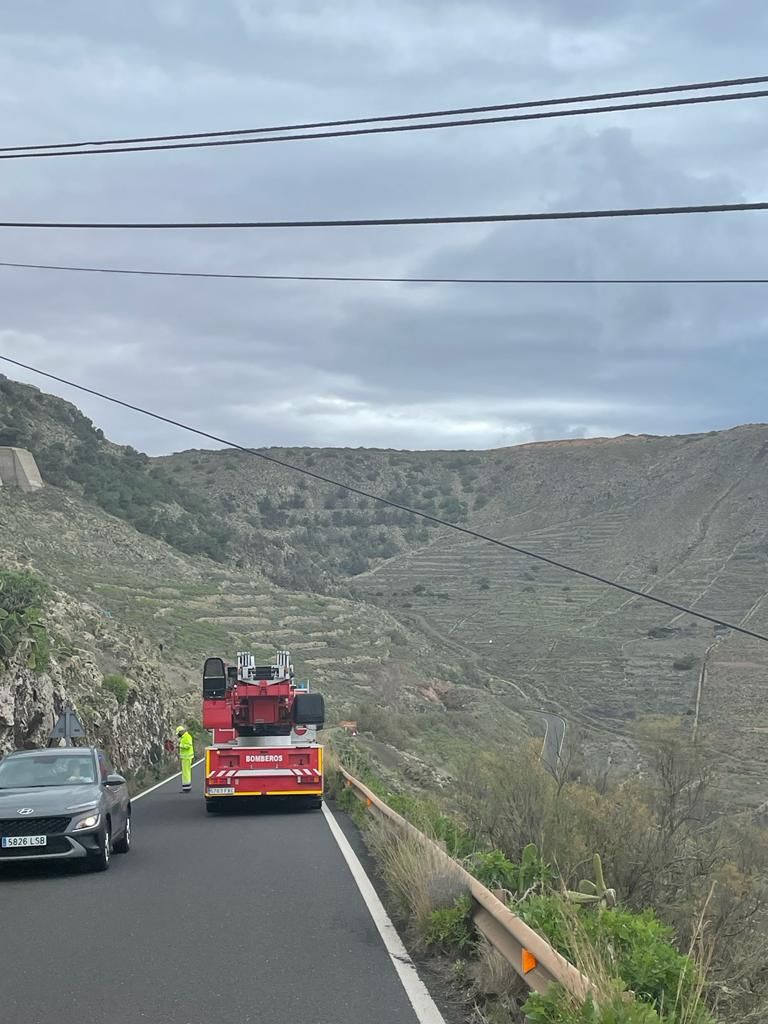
<point x="211" y="806"/>
<point x="314" y="803"/>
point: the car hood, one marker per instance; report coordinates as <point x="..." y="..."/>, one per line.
<point x="52" y="800"/>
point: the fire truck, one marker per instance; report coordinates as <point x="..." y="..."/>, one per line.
<point x="264" y="727"/>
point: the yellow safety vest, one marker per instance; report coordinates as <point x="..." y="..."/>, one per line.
<point x="186" y="746"/>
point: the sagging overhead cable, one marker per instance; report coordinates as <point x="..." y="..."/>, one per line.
<point x="340" y="278"/>
<point x="375" y="222"/>
<point x="236" y="136"/>
<point x="476" y="535"/>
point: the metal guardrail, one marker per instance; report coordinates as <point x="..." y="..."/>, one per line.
<point x="537" y="963"/>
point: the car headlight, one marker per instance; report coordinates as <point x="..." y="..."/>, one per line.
<point x="89" y="821"/>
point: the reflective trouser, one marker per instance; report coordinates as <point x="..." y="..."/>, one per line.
<point x="186" y="773"/>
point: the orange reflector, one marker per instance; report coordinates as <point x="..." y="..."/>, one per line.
<point x="368" y="802"/>
<point x="529" y="961"/>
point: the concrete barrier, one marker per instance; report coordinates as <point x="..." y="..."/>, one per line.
<point x="19" y="469"/>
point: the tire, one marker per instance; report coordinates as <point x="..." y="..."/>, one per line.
<point x="123" y="844"/>
<point x="314" y="803"/>
<point x="101" y="860"/>
<point x="211" y="806"/>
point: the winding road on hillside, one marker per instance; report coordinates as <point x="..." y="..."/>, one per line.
<point x="554" y="738"/>
<point x="235" y="917"/>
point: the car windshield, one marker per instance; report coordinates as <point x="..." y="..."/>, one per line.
<point x="46" y="770"/>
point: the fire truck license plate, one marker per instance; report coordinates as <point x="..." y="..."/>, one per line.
<point x="220" y="790"/>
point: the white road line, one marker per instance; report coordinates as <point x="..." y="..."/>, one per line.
<point x="146" y="792"/>
<point x="418" y="995"/>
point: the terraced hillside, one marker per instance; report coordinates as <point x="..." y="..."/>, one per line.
<point x="375" y="595"/>
<point x="187" y="608"/>
<point x="684" y="518"/>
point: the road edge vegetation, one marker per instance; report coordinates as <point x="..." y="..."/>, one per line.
<point x="643" y="970"/>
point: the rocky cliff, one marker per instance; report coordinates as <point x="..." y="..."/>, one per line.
<point x="107" y="673"/>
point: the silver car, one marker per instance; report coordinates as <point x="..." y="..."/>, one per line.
<point x="62" y="803"/>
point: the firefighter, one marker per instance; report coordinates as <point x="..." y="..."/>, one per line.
<point x="186" y="757"/>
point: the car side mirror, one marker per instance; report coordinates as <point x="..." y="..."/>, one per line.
<point x="114" y="780"/>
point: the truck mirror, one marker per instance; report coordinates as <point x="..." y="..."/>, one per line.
<point x="214" y="679"/>
<point x="309" y="709"/>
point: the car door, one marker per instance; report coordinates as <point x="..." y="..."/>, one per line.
<point x="114" y="795"/>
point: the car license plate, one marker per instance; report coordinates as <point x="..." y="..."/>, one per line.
<point x="9" y="841"/>
<point x="221" y="790"/>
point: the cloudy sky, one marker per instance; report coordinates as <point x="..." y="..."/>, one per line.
<point x="387" y="365"/>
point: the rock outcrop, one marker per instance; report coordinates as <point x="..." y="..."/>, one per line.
<point x="131" y="721"/>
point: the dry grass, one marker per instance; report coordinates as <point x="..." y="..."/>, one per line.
<point x="701" y="951"/>
<point x="419" y="877"/>
<point x="492" y="975"/>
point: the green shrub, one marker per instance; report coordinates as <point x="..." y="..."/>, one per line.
<point x="428" y="818"/>
<point x="22" y="599"/>
<point x="647" y="962"/>
<point x="496" y="871"/>
<point x="685" y="663"/>
<point x="117" y="685"/>
<point x="449" y="929"/>
<point x="638" y="947"/>
<point x="546" y="915"/>
<point x="557" y="1007"/>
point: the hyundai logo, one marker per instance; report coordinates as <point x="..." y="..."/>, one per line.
<point x="25" y="810"/>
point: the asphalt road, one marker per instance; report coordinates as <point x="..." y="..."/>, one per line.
<point x="553" y="741"/>
<point x="209" y="918"/>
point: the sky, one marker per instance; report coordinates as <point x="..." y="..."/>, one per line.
<point x="392" y="365"/>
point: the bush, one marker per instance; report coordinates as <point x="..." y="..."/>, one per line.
<point x="557" y="1007"/>
<point x="637" y="947"/>
<point x="685" y="663"/>
<point x="450" y="929"/>
<point x="646" y="960"/>
<point x="496" y="871"/>
<point x="22" y="599"/>
<point x="117" y="685"/>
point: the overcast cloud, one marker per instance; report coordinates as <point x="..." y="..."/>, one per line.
<point x="387" y="365"/>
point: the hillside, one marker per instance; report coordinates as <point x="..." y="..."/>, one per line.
<point x="682" y="517"/>
<point x="685" y="518"/>
<point x="233" y="550"/>
<point x="72" y="653"/>
<point x="187" y="607"/>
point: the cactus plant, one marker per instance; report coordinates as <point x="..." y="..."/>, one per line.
<point x="593" y="893"/>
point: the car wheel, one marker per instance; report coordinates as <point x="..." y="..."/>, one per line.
<point x="100" y="861"/>
<point x="123" y="844"/>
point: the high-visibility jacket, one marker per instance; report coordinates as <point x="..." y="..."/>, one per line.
<point x="186" y="746"/>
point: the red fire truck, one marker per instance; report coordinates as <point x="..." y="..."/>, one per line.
<point x="264" y="727"/>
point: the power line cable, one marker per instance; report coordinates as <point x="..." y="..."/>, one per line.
<point x="392" y="504"/>
<point x="11" y="153"/>
<point x="384" y="280"/>
<point x="452" y="112"/>
<point x="488" y="218"/>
